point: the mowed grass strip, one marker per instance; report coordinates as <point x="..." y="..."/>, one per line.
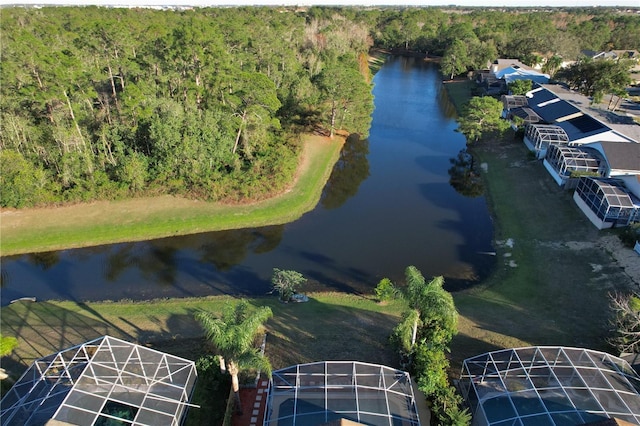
<point x="331" y="326"/>
<point x="552" y="280"/>
<point x="105" y="222"/>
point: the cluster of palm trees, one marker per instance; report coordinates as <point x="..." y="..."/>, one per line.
<point x="422" y="337"/>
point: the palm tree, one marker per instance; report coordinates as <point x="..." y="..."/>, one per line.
<point x="233" y="334"/>
<point x="431" y="310"/>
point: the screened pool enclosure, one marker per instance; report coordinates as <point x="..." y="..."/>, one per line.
<point x="538" y="137"/>
<point x="106" y="381"/>
<point x="606" y="202"/>
<point x="549" y="386"/>
<point x="568" y="161"/>
<point x="321" y="392"/>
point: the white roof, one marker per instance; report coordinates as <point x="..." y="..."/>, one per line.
<point x="513" y="73"/>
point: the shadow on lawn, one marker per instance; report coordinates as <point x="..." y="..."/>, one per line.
<point x="44" y="328"/>
<point x="315" y="331"/>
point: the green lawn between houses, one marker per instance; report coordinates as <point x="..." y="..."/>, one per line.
<point x="549" y="288"/>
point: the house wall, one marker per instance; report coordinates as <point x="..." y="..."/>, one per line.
<point x="554" y="174"/>
<point x="589" y="214"/>
<point x="632" y="183"/>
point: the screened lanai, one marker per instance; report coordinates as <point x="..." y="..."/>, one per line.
<point x="527" y="115"/>
<point x="549" y="386"/>
<point x="106" y="381"/>
<point x="321" y="392"/>
<point x="510" y="102"/>
<point x="566" y="160"/>
<point x="538" y="137"/>
<point x="606" y="202"/>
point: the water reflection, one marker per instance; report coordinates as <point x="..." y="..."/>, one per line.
<point x="447" y="107"/>
<point x="389" y="203"/>
<point x="229" y="248"/>
<point x="351" y="169"/>
<point x="463" y="176"/>
<point x="154" y="262"/>
<point x="44" y="260"/>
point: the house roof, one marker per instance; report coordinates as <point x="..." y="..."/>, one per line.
<point x="550" y="107"/>
<point x="627" y="54"/>
<point x="500" y="64"/>
<point x="612" y="120"/>
<point x="103" y="380"/>
<point x="582" y="127"/>
<point x="622" y="155"/>
<point x="516" y="72"/>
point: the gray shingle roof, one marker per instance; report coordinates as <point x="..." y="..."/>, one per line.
<point x="622" y="155"/>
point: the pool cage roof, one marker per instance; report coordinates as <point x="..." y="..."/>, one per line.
<point x="318" y="393"/>
<point x="613" y="192"/>
<point x="546" y="133"/>
<point x="549" y="386"/>
<point x="514" y="101"/>
<point x="574" y="159"/>
<point x="104" y="381"/>
<point x="526" y="114"/>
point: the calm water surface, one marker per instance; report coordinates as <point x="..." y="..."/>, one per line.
<point x="387" y="205"/>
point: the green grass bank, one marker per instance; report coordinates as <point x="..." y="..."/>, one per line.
<point x="106" y="222"/>
<point x="553" y="274"/>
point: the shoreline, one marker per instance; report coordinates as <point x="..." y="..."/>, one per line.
<point x="137" y="219"/>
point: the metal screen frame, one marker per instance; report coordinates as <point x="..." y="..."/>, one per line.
<point x="549" y="385"/>
<point x="79" y="385"/>
<point x="321" y="392"/>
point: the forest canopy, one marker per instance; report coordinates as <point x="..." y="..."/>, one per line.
<point x="105" y="103"/>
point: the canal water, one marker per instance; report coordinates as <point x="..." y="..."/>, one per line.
<point x="388" y="204"/>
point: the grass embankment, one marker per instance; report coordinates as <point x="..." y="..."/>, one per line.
<point x="331" y="326"/>
<point x="106" y="222"/>
<point x="552" y="279"/>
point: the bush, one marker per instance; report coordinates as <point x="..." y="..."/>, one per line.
<point x="630" y="235"/>
<point x="21" y="183"/>
<point x="385" y="290"/>
<point x="286" y="282"/>
<point x="7" y="344"/>
<point x="211" y="393"/>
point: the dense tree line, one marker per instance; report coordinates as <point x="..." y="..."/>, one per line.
<point x="101" y="103"/>
<point x="107" y="103"/>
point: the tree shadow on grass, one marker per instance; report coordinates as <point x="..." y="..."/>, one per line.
<point x="44" y="328"/>
<point x="316" y="331"/>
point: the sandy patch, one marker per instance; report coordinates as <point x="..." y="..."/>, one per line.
<point x="625" y="257"/>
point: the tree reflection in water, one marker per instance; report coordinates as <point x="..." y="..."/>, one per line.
<point x="351" y="169"/>
<point x="463" y="177"/>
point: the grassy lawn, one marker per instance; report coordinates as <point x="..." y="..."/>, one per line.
<point x="459" y="91"/>
<point x="550" y="287"/>
<point x="105" y="222"/>
<point x="552" y="279"/>
<point x="331" y="326"/>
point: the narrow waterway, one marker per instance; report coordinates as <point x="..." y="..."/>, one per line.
<point x="387" y="205"/>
